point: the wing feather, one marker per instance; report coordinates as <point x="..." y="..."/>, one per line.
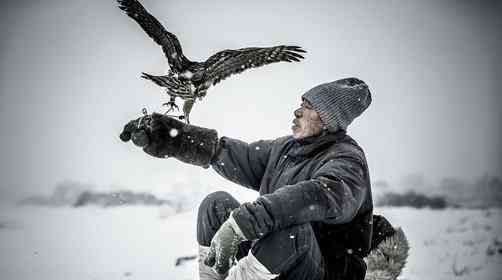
<point x="228" y="62"/>
<point x="168" y="41"/>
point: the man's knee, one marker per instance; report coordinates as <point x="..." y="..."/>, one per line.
<point x="280" y="250"/>
<point x="214" y="210"/>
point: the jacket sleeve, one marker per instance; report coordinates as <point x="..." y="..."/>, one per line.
<point x="334" y="195"/>
<point x="242" y="163"/>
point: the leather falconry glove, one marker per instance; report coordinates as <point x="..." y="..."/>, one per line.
<point x="162" y="137"/>
<point x="224" y="246"/>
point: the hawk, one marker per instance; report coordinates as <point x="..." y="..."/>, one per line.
<point x="190" y="80"/>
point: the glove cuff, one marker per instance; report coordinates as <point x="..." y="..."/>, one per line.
<point x="197" y="145"/>
<point x="235" y="227"/>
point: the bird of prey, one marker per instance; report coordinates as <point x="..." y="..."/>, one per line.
<point x="190" y="80"/>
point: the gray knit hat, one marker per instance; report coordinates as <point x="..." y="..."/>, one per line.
<point x="339" y="102"/>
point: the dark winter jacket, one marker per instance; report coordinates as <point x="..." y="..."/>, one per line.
<point x="322" y="180"/>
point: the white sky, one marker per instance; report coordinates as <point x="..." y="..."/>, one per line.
<point x="69" y="81"/>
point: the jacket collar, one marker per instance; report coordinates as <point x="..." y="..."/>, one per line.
<point x="311" y="145"/>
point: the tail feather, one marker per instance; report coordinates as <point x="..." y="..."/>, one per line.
<point x="388" y="259"/>
<point x="173" y="85"/>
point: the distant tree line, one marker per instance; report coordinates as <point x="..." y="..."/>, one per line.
<point x="412" y="199"/>
<point x="118" y="198"/>
<point x="483" y="192"/>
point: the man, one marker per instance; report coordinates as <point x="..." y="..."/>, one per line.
<point x="313" y="218"/>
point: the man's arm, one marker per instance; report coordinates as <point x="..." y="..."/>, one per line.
<point x="242" y="163"/>
<point x="162" y="137"/>
<point x="334" y="195"/>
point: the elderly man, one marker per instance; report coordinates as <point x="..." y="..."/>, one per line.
<point x="313" y="218"/>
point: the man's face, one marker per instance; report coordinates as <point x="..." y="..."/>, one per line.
<point x="307" y="121"/>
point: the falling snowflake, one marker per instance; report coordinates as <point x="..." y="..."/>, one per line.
<point x="173" y="132"/>
<point x="257" y="147"/>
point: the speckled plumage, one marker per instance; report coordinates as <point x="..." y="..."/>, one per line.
<point x="190" y="80"/>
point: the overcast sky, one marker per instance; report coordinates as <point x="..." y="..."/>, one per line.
<point x="70" y="79"/>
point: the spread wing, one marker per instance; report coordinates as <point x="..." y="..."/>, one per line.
<point x="168" y="41"/>
<point x="228" y="62"/>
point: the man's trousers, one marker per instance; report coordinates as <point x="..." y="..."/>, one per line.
<point x="293" y="253"/>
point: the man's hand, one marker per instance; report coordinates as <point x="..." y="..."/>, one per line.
<point x="162" y="136"/>
<point x="224" y="246"/>
<point x="157" y="134"/>
<point x="135" y="131"/>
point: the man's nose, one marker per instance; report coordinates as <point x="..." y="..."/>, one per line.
<point x="298" y="113"/>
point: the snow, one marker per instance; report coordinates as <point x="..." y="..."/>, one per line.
<point x="173" y="132"/>
<point x="143" y="243"/>
<point x="443" y="241"/>
<point x="95" y="243"/>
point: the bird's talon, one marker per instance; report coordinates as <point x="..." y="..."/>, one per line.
<point x="171" y="105"/>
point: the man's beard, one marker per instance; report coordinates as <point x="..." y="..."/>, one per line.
<point x="306" y="129"/>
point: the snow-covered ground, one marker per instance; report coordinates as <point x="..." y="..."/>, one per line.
<point x="144" y="243"/>
<point x="450" y="244"/>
